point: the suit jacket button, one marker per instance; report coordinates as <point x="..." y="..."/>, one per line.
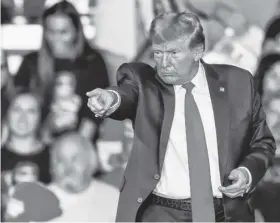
<point x="139" y="200"/>
<point x="156" y="177"/>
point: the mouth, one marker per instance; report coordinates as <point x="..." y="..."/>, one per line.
<point x="166" y="74"/>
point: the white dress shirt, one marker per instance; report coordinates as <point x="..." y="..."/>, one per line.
<point x="174" y="181"/>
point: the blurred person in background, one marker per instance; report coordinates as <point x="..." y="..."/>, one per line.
<point x="6" y="83"/>
<point x="266" y="198"/>
<point x="64" y="47"/>
<point x="58" y="122"/>
<point x="271" y="42"/>
<point x="24" y="157"/>
<point x="82" y="198"/>
<point x="267" y="76"/>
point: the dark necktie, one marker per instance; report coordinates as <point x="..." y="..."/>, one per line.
<point x="199" y="168"/>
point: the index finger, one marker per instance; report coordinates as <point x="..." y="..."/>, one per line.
<point x="233" y="187"/>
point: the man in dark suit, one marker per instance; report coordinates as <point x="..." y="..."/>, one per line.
<point x="201" y="141"/>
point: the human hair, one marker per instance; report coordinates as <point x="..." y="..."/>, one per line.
<point x="84" y="144"/>
<point x="273" y="29"/>
<point x="171" y="26"/>
<point x="9" y="85"/>
<point x="264" y="65"/>
<point x="45" y="56"/>
<point x="18" y="91"/>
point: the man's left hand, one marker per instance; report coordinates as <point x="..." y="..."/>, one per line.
<point x="239" y="184"/>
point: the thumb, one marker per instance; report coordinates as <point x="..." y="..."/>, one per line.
<point x="108" y="100"/>
<point x="94" y="92"/>
<point x="233" y="175"/>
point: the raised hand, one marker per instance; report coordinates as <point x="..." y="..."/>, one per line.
<point x="100" y="101"/>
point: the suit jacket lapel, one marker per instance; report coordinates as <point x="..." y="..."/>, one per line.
<point x="219" y="97"/>
<point x="168" y="98"/>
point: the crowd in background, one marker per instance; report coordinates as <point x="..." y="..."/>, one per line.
<point x="49" y="136"/>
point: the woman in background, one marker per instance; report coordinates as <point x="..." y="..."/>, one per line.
<point x="24" y="157"/>
<point x="65" y="48"/>
<point x="266" y="197"/>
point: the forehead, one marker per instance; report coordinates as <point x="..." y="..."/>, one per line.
<point x="68" y="149"/>
<point x="26" y="101"/>
<point x="58" y="22"/>
<point x="179" y="43"/>
<point x="64" y="79"/>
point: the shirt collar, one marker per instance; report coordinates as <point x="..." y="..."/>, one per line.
<point x="199" y="81"/>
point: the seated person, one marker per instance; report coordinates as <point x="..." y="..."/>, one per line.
<point x="59" y="121"/>
<point x="82" y="198"/>
<point x="24" y="157"/>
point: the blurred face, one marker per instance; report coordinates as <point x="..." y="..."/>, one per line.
<point x="60" y="34"/>
<point x="24" y="115"/>
<point x="175" y="61"/>
<point x="26" y="172"/>
<point x="273" y="117"/>
<point x="71" y="167"/>
<point x="272" y="79"/>
<point x="4" y="70"/>
<point x="65" y="85"/>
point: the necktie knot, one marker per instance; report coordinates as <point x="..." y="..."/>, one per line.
<point x="188" y="86"/>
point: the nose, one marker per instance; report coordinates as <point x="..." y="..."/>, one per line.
<point x="165" y="60"/>
<point x="22" y="117"/>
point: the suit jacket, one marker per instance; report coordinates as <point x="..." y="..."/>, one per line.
<point x="242" y="133"/>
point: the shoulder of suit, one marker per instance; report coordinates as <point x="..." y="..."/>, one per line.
<point x="232" y="72"/>
<point x="138" y="67"/>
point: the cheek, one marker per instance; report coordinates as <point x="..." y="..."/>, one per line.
<point x="68" y="37"/>
<point x="13" y="118"/>
<point x="33" y="120"/>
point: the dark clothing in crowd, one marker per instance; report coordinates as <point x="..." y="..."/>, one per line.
<point x="41" y="161"/>
<point x="89" y="70"/>
<point x="4" y="102"/>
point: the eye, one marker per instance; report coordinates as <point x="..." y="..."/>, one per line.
<point x="157" y="53"/>
<point x="174" y="54"/>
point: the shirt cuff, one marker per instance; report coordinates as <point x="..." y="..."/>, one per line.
<point x="114" y="107"/>
<point x="250" y="178"/>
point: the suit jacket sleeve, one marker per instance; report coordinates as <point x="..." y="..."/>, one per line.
<point x="262" y="146"/>
<point x="128" y="90"/>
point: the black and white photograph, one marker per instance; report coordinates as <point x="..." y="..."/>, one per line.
<point x="140" y="111"/>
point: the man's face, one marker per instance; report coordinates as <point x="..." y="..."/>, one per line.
<point x="174" y="60"/>
<point x="71" y="167"/>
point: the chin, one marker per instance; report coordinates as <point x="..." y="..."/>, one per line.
<point x="168" y="79"/>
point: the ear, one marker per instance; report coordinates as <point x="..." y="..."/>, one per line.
<point x="198" y="52"/>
